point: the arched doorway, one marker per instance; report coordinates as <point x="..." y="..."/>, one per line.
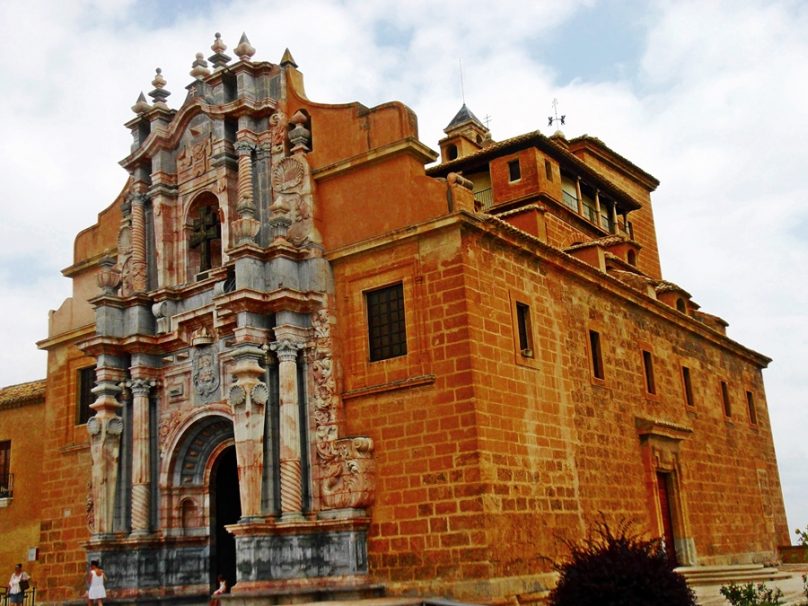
<point x="225" y="508"/>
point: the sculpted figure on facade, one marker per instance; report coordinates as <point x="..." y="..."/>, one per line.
<point x="277" y="128"/>
<point x="347" y="465"/>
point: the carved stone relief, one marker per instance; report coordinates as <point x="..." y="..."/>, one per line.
<point x="205" y="372"/>
<point x="348" y="472"/>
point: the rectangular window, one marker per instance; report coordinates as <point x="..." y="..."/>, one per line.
<point x="387" y="334"/>
<point x="597" y="355"/>
<point x="725" y="399"/>
<point x="750" y="405"/>
<point x="548" y="170"/>
<point x="648" y="367"/>
<point x="687" y="385"/>
<point x="525" y="330"/>
<point x="5" y="469"/>
<point x="85" y="395"/>
<point x="514" y="170"/>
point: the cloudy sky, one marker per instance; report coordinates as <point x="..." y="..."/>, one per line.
<point x="710" y="97"/>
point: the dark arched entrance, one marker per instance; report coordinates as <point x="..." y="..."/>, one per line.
<point x="225" y="509"/>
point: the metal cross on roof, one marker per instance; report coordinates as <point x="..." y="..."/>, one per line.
<point x="559" y="121"/>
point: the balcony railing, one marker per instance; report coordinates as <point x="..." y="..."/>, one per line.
<point x="570" y="200"/>
<point x="484" y="199"/>
<point x="6" y="486"/>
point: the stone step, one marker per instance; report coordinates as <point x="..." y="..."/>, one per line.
<point x="736" y="573"/>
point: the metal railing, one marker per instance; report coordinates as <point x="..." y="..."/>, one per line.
<point x="484" y="199"/>
<point x="570" y="200"/>
<point x="29" y="599"/>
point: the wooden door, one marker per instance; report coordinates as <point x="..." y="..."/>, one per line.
<point x="663" y="486"/>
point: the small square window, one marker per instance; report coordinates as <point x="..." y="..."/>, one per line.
<point x="514" y="170"/>
<point x="687" y="386"/>
<point x="750" y="405"/>
<point x="597" y="355"/>
<point x="525" y="330"/>
<point x="5" y="469"/>
<point x="85" y="395"/>
<point x="725" y="399"/>
<point x="648" y="367"/>
<point x="387" y="334"/>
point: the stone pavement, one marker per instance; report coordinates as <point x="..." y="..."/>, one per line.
<point x="794" y="595"/>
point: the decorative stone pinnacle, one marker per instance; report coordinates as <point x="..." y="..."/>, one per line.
<point x="244" y="50"/>
<point x="287" y="59"/>
<point x="199" y="68"/>
<point x="218" y="58"/>
<point x="141" y="105"/>
<point x="159" y="94"/>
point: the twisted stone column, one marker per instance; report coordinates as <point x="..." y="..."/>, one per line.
<point x="141" y="468"/>
<point x="139" y="282"/>
<point x="291" y="471"/>
<point x="246" y="227"/>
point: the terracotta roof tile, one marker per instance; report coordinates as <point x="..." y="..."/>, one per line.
<point x="22" y="393"/>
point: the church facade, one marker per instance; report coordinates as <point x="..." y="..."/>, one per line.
<point x="296" y="357"/>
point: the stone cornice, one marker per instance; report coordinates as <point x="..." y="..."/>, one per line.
<point x="499" y="229"/>
<point x="170" y="137"/>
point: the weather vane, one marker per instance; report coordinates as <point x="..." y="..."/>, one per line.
<point x="557" y="120"/>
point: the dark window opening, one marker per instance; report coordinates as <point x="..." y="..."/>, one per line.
<point x="230" y="130"/>
<point x="525" y="330"/>
<point x="597" y="356"/>
<point x="548" y="170"/>
<point x="750" y="405"/>
<point x="451" y="152"/>
<point x="648" y="367"/>
<point x="631" y="257"/>
<point x="514" y="170"/>
<point x="230" y="87"/>
<point x="680" y="305"/>
<point x="688" y="386"/>
<point x="5" y="469"/>
<point x="387" y="334"/>
<point x="725" y="399"/>
<point x="85" y="394"/>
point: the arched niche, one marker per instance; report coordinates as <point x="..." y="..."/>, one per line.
<point x="203" y="233"/>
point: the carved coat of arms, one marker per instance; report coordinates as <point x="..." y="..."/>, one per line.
<point x="205" y="372"/>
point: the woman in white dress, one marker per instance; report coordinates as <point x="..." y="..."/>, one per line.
<point x="96" y="578"/>
<point x="16" y="593"/>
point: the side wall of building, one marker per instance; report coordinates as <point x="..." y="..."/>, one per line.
<point x="486" y="457"/>
<point x="20" y="424"/>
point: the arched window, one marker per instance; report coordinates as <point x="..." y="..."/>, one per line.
<point x="204" y="235"/>
<point x="631" y="257"/>
<point x="680" y="305"/>
<point x="451" y="152"/>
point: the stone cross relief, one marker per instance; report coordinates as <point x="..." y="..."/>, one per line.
<point x="204" y="230"/>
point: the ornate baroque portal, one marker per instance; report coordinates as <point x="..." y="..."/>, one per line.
<point x="215" y="373"/>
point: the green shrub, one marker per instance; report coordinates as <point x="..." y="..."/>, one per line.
<point x="802" y="536"/>
<point x="617" y="567"/>
<point x="752" y="595"/>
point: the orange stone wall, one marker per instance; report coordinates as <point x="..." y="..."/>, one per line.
<point x="21" y="423"/>
<point x="486" y="457"/>
<point x="66" y="449"/>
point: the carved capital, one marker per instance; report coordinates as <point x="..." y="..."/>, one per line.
<point x="286" y="349"/>
<point x="244" y="148"/>
<point x="140" y="387"/>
